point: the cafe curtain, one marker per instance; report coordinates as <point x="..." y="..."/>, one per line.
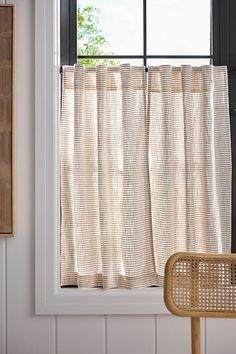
<point x="145" y="171"/>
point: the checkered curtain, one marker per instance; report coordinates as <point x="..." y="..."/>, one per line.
<point x="145" y="171"/>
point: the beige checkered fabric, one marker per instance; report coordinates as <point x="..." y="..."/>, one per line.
<point x="145" y="171"/>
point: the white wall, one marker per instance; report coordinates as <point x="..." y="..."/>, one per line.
<point x="21" y="332"/>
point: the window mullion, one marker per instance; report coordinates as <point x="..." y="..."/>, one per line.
<point x="145" y="33"/>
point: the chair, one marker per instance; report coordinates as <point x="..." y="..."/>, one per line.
<point x="200" y="285"/>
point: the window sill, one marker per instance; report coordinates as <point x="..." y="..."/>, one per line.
<point x="104" y="302"/>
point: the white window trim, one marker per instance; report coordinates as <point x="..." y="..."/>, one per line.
<point x="49" y="297"/>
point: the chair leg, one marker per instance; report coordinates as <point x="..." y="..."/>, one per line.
<point x="195" y="335"/>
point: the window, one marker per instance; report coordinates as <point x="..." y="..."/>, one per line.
<point x="50" y="299"/>
<point x="143" y="32"/>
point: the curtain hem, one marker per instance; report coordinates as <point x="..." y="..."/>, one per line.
<point x="119" y="281"/>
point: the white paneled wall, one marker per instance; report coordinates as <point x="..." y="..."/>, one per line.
<point x="83" y="334"/>
<point x="26" y="333"/>
<point x="21" y="332"/>
<point x="131" y="334"/>
<point x="221" y="336"/>
<point x="173" y="335"/>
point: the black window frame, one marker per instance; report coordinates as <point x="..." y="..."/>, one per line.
<point x="223" y="52"/>
<point x="68" y="32"/>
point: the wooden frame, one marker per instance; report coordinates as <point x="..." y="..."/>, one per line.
<point x="7" y="119"/>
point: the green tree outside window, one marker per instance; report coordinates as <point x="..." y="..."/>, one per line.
<point x="90" y="39"/>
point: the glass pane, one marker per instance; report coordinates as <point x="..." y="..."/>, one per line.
<point x="178" y="27"/>
<point x="178" y="62"/>
<point x="110" y="62"/>
<point x="110" y="27"/>
<point x="135" y="62"/>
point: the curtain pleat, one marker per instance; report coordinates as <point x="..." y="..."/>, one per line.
<point x="145" y="172"/>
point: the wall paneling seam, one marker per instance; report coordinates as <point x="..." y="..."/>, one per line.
<point x="55" y="335"/>
<point x="204" y="337"/>
<point x="105" y="334"/>
<point x="155" y="334"/>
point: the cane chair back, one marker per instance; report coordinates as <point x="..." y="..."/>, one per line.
<point x="200" y="285"/>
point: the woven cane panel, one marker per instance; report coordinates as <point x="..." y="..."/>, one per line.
<point x="204" y="284"/>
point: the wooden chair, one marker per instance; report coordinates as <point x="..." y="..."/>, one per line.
<point x="200" y="285"/>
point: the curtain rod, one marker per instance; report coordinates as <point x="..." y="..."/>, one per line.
<point x="163" y="56"/>
<point x="231" y="69"/>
